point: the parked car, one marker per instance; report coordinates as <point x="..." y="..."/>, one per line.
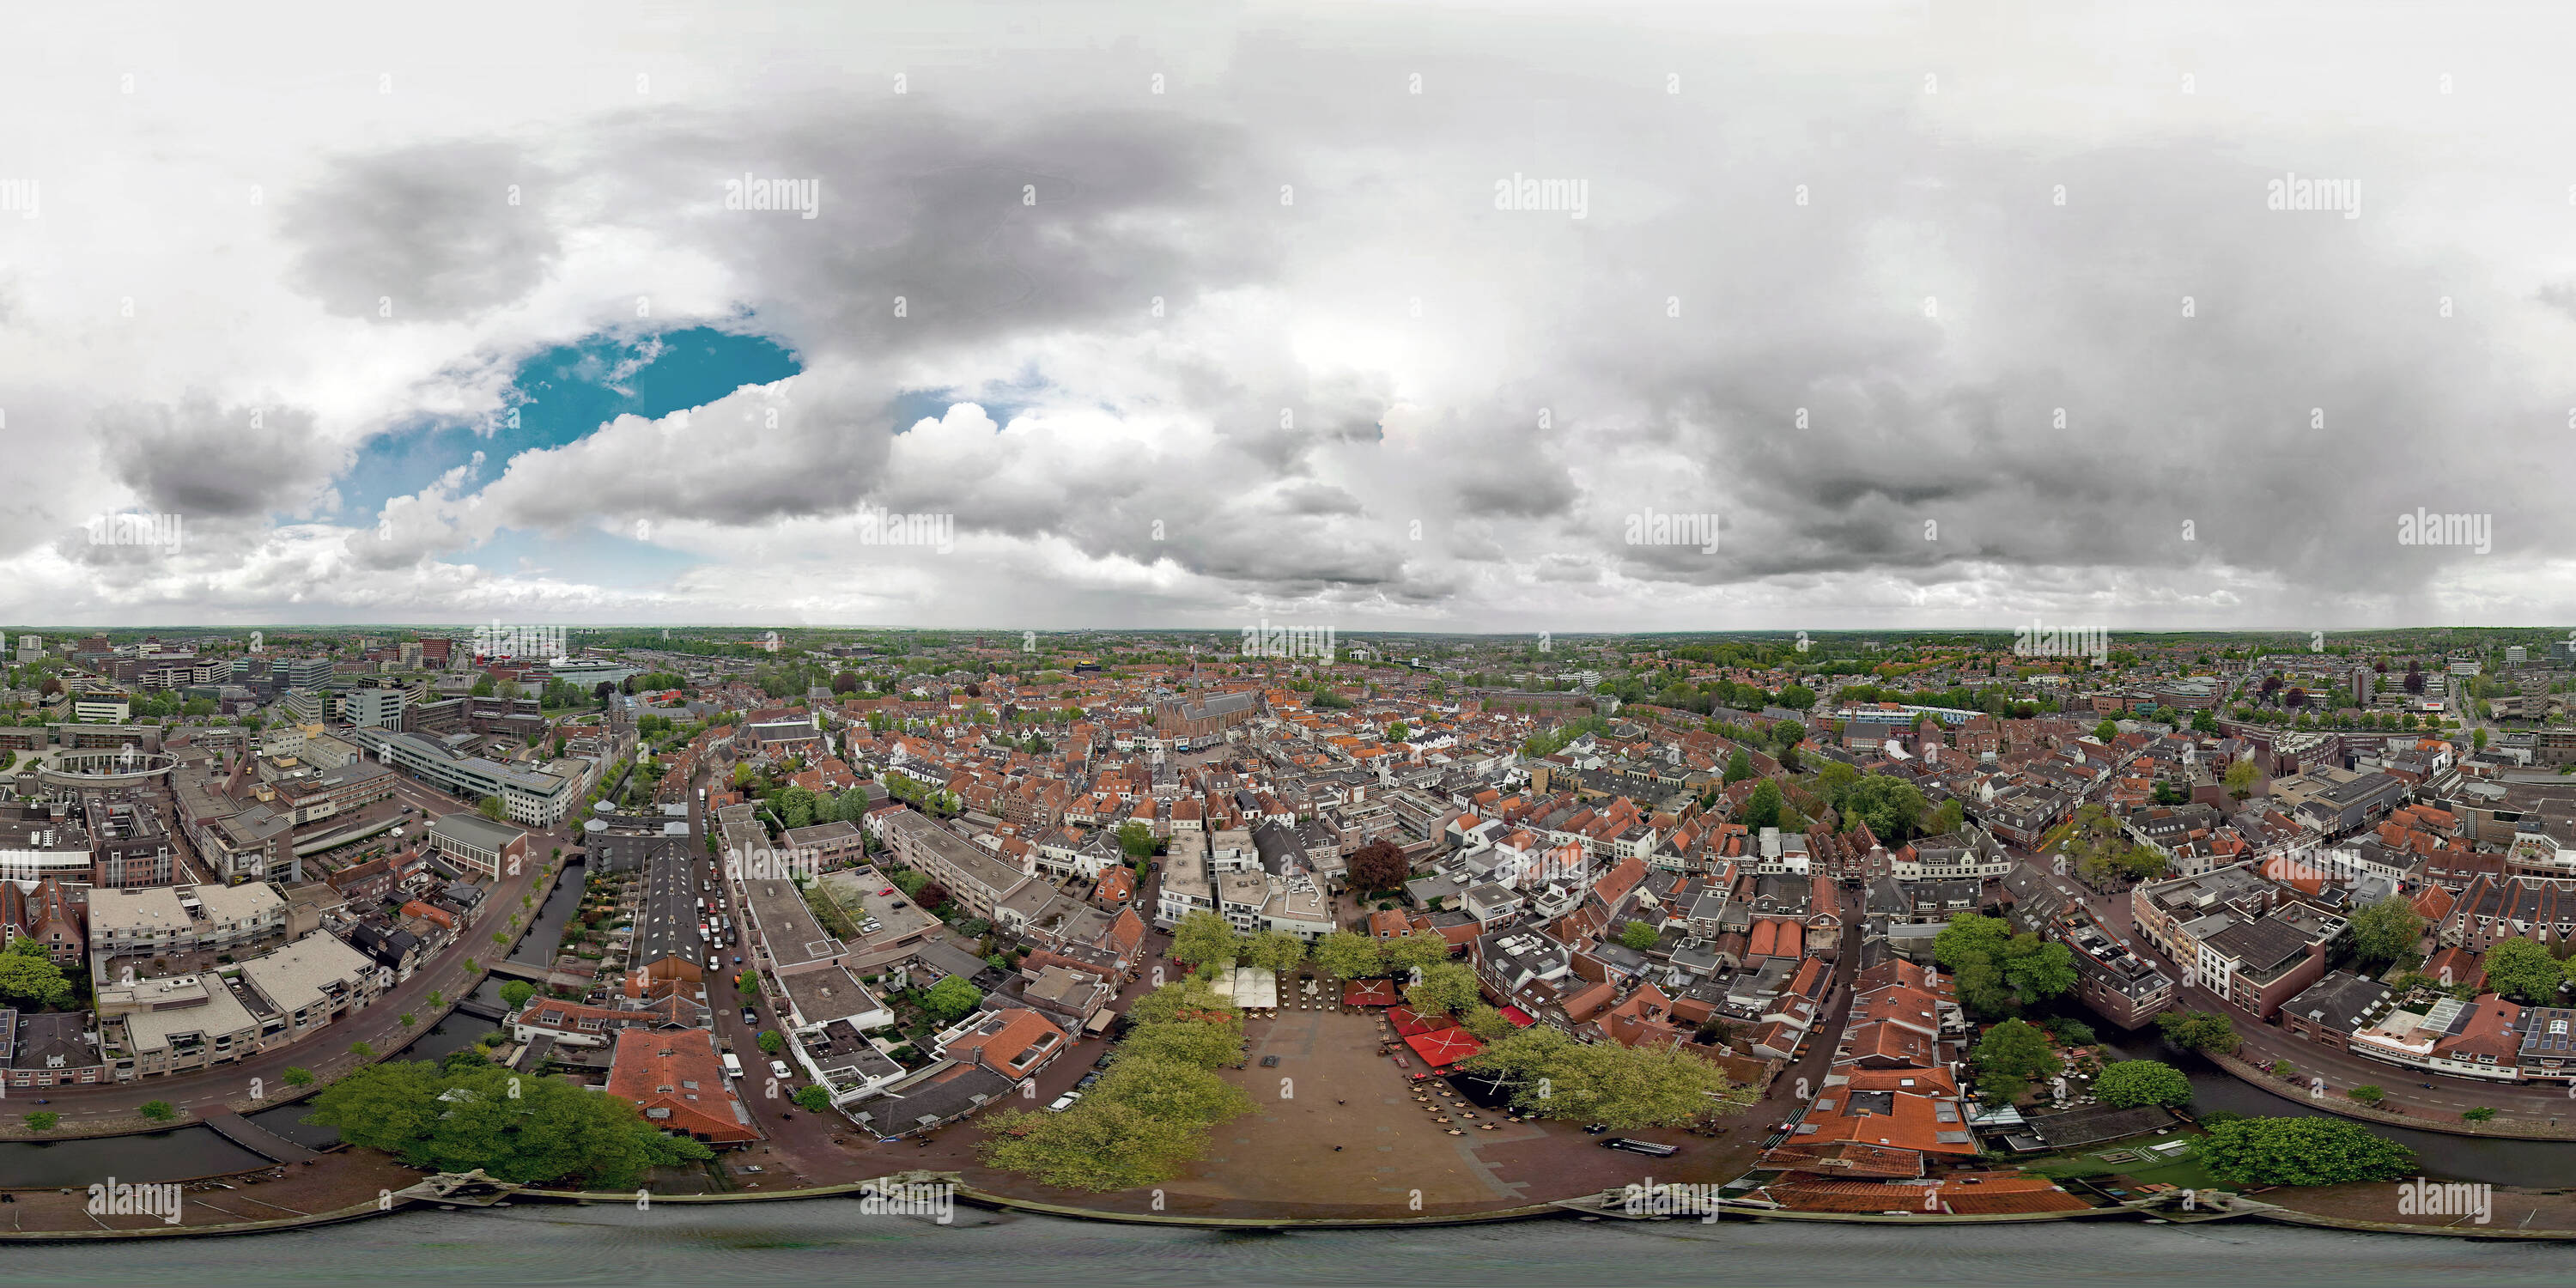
<point x="1105" y="1058"/>
<point x="780" y="1070"/>
<point x="749" y="1018"/>
<point x="1064" y="1102"/>
<point x="1084" y="1082"/>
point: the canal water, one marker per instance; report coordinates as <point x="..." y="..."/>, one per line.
<point x="2531" y="1163"/>
<point x="834" y="1242"/>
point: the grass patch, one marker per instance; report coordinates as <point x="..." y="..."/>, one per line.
<point x="2185" y="1169"/>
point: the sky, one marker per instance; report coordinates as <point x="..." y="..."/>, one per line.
<point x="1490" y="317"/>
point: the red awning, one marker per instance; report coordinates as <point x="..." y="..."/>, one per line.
<point x="1518" y="1017"/>
<point x="1441" y="1048"/>
<point x="1409" y="1022"/>
<point x="1369" y="992"/>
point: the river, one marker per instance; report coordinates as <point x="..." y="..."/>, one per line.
<point x="831" y="1242"/>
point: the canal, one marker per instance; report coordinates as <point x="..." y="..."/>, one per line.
<point x="2533" y="1163"/>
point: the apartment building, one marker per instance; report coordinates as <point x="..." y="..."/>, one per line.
<point x="182" y="919"/>
<point x="182" y="1023"/>
<point x="976" y="880"/>
<point x="533" y="797"/>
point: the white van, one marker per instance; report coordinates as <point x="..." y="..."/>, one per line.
<point x="733" y="1065"/>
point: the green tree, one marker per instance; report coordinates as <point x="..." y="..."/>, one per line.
<point x="2038" y="969"/>
<point x="2478" y="1115"/>
<point x="2367" y="1093"/>
<point x="363" y="1050"/>
<point x="1446" y="988"/>
<point x="1202" y="936"/>
<point x="1348" y="955"/>
<point x="2241" y="776"/>
<point x="29" y="978"/>
<point x="2126" y="1084"/>
<point x="812" y="1098"/>
<point x="296" y="1076"/>
<point x="492" y="808"/>
<point x="1098" y="1148"/>
<point x="1485" y="1022"/>
<point x="1419" y="948"/>
<point x="771" y="1042"/>
<point x="2301" y="1151"/>
<point x="514" y="1127"/>
<point x="43" y="1120"/>
<point x="2010" y="1057"/>
<point x="2201" y="1031"/>
<point x="1208" y="1044"/>
<point x="1136" y="840"/>
<point x="1761" y="809"/>
<point x="950" y="999"/>
<point x="2387" y="933"/>
<point x="2106" y="731"/>
<point x="2521" y="968"/>
<point x="1890" y="806"/>
<point x="1554" y="1076"/>
<point x="1638" y="935"/>
<point x="1172" y="1091"/>
<point x="1949" y="817"/>
<point x="515" y="994"/>
<point x="1274" y="950"/>
<point x="1739" y="766"/>
<point x="159" y="1111"/>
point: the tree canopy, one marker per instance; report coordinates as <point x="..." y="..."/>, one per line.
<point x="513" y="1126"/>
<point x="1202" y="936"/>
<point x="2521" y="968"/>
<point x="1379" y="865"/>
<point x="1997" y="971"/>
<point x="1551" y="1074"/>
<point x="2010" y="1057"/>
<point x="2197" y="1030"/>
<point x="2301" y="1151"/>
<point x="29" y="978"/>
<point x="2388" y="933"/>
<point x="2126" y="1084"/>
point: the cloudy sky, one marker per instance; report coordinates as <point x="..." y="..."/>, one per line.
<point x="1196" y="315"/>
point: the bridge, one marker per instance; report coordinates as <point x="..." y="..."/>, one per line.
<point x="518" y="970"/>
<point x="482" y="1010"/>
<point x="257" y="1139"/>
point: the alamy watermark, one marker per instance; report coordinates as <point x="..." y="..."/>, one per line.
<point x="1521" y="192"/>
<point x="878" y="528"/>
<point x="936" y="1200"/>
<point x="2472" y="1199"/>
<point x="118" y="1198"/>
<point x="134" y="530"/>
<point x="799" y="863"/>
<point x="521" y="643"/>
<point x="1653" y="528"/>
<point x="2291" y="192"/>
<point x="2041" y="640"/>
<point x="21" y="197"/>
<point x="1266" y="640"/>
<point x="1670" y="1199"/>
<point x="2424" y="528"/>
<point x="802" y="197"/>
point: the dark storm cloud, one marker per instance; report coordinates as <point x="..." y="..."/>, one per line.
<point x="432" y="228"/>
<point x="211" y="462"/>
